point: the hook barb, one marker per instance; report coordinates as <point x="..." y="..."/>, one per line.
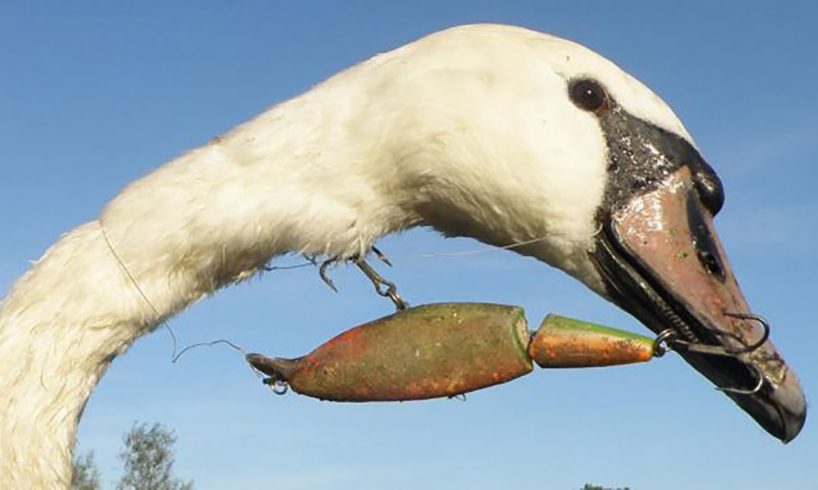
<point x="322" y="271"/>
<point x="758" y="318"/>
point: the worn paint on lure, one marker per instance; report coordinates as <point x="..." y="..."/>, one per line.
<point x="424" y="352"/>
<point x="564" y="342"/>
<point x="446" y="349"/>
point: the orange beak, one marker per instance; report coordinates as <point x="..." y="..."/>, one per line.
<point x="663" y="262"/>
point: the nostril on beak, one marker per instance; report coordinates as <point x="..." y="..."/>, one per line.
<point x="706" y="248"/>
<point x="711" y="262"/>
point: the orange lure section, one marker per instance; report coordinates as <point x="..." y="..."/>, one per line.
<point x="567" y="343"/>
<point x="444" y="350"/>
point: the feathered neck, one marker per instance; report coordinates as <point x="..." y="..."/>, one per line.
<point x="395" y="142"/>
<point x="290" y="180"/>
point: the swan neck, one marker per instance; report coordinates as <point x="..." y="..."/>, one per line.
<point x="287" y="181"/>
<point x="60" y="327"/>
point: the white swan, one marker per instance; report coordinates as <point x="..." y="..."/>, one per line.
<point x="491" y="132"/>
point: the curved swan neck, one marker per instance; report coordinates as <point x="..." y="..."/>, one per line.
<point x="289" y="180"/>
<point x="59" y="330"/>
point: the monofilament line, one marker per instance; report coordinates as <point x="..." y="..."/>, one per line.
<point x="174" y="355"/>
<point x="133" y="281"/>
<point x="478" y="251"/>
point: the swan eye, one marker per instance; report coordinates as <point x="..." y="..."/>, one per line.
<point x="588" y="95"/>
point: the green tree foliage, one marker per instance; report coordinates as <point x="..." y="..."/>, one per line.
<point x="148" y="458"/>
<point x="85" y="475"/>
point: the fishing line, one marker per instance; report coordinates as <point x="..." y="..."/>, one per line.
<point x="209" y="344"/>
<point x="476" y="251"/>
<point x="163" y="322"/>
<point x="271" y="268"/>
<point x="175" y="356"/>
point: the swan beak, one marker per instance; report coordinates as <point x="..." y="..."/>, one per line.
<point x="661" y="260"/>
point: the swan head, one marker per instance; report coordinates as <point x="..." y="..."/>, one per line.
<point x="594" y="175"/>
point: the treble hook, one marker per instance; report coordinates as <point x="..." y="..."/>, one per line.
<point x="381" y="256"/>
<point x="743" y="391"/>
<point x="760" y="319"/>
<point x="383" y="287"/>
<point x="322" y="271"/>
<point x="668" y="340"/>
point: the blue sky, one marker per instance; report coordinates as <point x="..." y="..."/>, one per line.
<point x="93" y="95"/>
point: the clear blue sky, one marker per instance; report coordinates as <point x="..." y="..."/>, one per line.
<point x="93" y="95"/>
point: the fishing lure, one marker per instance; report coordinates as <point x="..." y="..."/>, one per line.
<point x="445" y="350"/>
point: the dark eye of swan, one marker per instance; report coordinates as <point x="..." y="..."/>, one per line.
<point x="588" y="95"/>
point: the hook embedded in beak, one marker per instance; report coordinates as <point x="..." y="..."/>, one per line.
<point x="662" y="261"/>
